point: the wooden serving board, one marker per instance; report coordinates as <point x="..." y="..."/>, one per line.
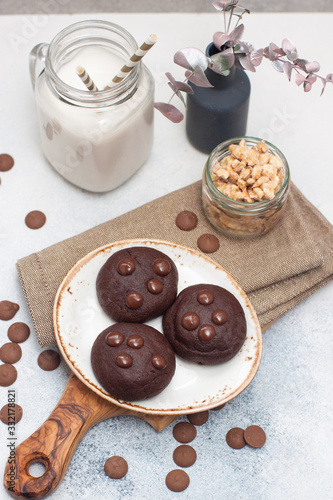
<point x="56" y="440"/>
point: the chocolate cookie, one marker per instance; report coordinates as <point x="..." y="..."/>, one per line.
<point x="206" y="325"/>
<point x="137" y="284"/>
<point x="132" y="361"/>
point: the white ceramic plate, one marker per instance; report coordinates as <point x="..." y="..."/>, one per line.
<point x="78" y="319"/>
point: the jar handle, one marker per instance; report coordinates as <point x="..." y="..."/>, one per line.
<point x="37" y="55"/>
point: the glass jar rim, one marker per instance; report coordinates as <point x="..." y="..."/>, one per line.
<point x="103" y="96"/>
<point x="239" y="205"/>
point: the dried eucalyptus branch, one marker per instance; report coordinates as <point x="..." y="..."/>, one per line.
<point x="284" y="59"/>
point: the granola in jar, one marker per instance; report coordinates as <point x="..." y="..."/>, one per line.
<point x="245" y="186"/>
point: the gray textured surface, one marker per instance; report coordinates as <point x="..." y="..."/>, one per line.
<point x="291" y="396"/>
<point x="69" y="6"/>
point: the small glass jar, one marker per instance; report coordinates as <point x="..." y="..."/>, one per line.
<point x="95" y="139"/>
<point x="238" y="218"/>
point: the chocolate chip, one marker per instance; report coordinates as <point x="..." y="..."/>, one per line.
<point x="6" y="162"/>
<point x="114" y="338"/>
<point x="18" y="332"/>
<point x="218" y="407"/>
<point x="198" y="418"/>
<point x="11" y="414"/>
<point x="162" y="267"/>
<point x="219" y="317"/>
<point x="8" y="309"/>
<point x="184" y="455"/>
<point x="48" y="360"/>
<point x="126" y="266"/>
<point x="124" y="360"/>
<point x="206" y="333"/>
<point x="177" y="480"/>
<point x="186" y="220"/>
<point x="205" y="297"/>
<point x="135" y="341"/>
<point x="134" y="300"/>
<point x="159" y="361"/>
<point x="116" y="467"/>
<point x="184" y="432"/>
<point x="155" y="286"/>
<point x="255" y="436"/>
<point x="8" y="375"/>
<point x="10" y="353"/>
<point x="208" y="243"/>
<point x="190" y="320"/>
<point x="235" y="438"/>
<point x="35" y="219"/>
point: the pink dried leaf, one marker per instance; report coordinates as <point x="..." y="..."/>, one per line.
<point x="245" y="48"/>
<point x="312" y="79"/>
<point x="299" y="79"/>
<point x="176" y="85"/>
<point x="288" y="68"/>
<point x="171" y="81"/>
<point x="279" y="52"/>
<point x="219" y="5"/>
<point x="173" y="88"/>
<point x="256" y="57"/>
<point x="220" y="38"/>
<point x="323" y="81"/>
<point x="278" y="66"/>
<point x="288" y="45"/>
<point x="301" y="63"/>
<point x="223" y="60"/>
<point x="169" y="111"/>
<point x="246" y="63"/>
<point x="184" y="87"/>
<point x="307" y="86"/>
<point x="219" y="68"/>
<point x="272" y="55"/>
<point x="312" y="67"/>
<point x="181" y="60"/>
<point x="237" y="33"/>
<point x="329" y="77"/>
<point x="190" y="58"/>
<point x="266" y="52"/>
<point x="199" y="78"/>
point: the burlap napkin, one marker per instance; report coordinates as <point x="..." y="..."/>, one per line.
<point x="277" y="270"/>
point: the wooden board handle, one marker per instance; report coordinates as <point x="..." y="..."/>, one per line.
<point x="54" y="443"/>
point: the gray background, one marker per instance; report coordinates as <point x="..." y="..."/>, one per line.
<point x="69" y="6"/>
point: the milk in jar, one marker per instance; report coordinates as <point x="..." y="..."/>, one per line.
<point x="96" y="140"/>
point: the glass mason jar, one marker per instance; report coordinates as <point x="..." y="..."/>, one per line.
<point x="238" y="218"/>
<point x="95" y="139"/>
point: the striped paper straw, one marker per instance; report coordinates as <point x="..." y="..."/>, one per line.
<point x="133" y="61"/>
<point x="86" y="79"/>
